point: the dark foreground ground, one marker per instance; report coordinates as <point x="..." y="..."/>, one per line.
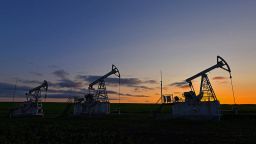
<point x="137" y="124"/>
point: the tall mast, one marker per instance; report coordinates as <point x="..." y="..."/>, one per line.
<point x="161" y="87"/>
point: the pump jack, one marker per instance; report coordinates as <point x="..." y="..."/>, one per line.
<point x="33" y="106"/>
<point x="96" y="101"/>
<point x="205" y="104"/>
<point x="206" y="91"/>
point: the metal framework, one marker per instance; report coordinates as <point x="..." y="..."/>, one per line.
<point x="100" y="94"/>
<point x="96" y="102"/>
<point x="206" y="92"/>
<point x="33" y="105"/>
<point x="34" y="96"/>
<point x="35" y="93"/>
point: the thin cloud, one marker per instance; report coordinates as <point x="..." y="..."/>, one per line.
<point x="130" y="82"/>
<point x="139" y="88"/>
<point x="7" y="86"/>
<point x="178" y="84"/>
<point x="9" y="90"/>
<point x="219" y="78"/>
<point x="54" y="91"/>
<point x="126" y="94"/>
<point x="183" y="84"/>
<point x="131" y="95"/>
<point x="66" y="83"/>
<point x="151" y="82"/>
<point x="36" y="74"/>
<point x="29" y="81"/>
<point x="126" y="81"/>
<point x="60" y="91"/>
<point x="61" y="74"/>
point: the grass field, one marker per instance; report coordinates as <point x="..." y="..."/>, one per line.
<point x="136" y="124"/>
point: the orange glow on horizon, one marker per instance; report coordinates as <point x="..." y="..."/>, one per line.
<point x="223" y="91"/>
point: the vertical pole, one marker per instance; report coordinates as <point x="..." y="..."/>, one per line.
<point x="14" y="92"/>
<point x="119" y="109"/>
<point x="161" y="87"/>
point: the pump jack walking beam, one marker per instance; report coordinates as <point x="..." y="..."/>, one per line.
<point x="35" y="92"/>
<point x="101" y="79"/>
<point x="220" y="64"/>
<point x="43" y="85"/>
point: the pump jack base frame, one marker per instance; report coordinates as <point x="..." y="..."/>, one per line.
<point x="91" y="109"/>
<point x="206" y="110"/>
<point x="27" y="110"/>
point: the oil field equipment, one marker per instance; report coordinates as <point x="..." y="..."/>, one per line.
<point x="205" y="105"/>
<point x="164" y="99"/>
<point x="96" y="102"/>
<point x="33" y="105"/>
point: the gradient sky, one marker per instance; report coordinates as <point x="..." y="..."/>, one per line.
<point x="69" y="43"/>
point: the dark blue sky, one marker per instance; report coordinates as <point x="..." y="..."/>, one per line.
<point x="140" y="37"/>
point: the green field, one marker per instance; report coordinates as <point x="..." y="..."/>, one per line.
<point x="136" y="124"/>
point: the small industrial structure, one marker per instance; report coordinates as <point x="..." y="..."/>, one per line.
<point x="205" y="105"/>
<point x="165" y="99"/>
<point x="33" y="105"/>
<point x="96" y="102"/>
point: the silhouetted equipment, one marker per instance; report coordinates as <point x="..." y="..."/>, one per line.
<point x="163" y="100"/>
<point x="33" y="106"/>
<point x="206" y="90"/>
<point x="167" y="99"/>
<point x="161" y="87"/>
<point x="205" y="104"/>
<point x="96" y="101"/>
<point x="176" y="99"/>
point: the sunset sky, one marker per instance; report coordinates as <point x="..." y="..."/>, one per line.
<point x="71" y="43"/>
